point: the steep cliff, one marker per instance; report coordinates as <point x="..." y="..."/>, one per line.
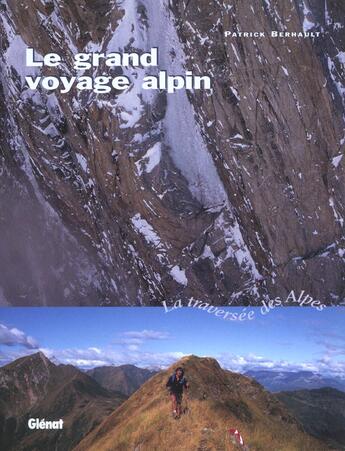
<point x="135" y="198"/>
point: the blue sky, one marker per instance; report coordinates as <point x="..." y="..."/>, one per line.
<point x="285" y="338"/>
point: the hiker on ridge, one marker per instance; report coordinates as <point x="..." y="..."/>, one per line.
<point x="176" y="384"/>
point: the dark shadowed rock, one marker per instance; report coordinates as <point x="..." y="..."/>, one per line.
<point x="124" y="198"/>
<point x="321" y="412"/>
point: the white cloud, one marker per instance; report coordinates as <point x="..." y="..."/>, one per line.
<point x="129" y="349"/>
<point x="333" y="344"/>
<point x="94" y="356"/>
<point x="133" y="347"/>
<point x="147" y="335"/>
<point x="15" y="337"/>
<point x="133" y="340"/>
<point x="241" y="364"/>
<point x="126" y="350"/>
<point x="91" y="357"/>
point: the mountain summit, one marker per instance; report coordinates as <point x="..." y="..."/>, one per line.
<point x="218" y="400"/>
<point x="34" y="387"/>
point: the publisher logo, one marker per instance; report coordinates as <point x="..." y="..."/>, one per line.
<point x="37" y="423"/>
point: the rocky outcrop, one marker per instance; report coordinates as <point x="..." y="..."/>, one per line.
<point x="134" y="199"/>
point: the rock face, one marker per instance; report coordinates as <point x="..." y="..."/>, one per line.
<point x="34" y="387"/>
<point x="125" y="379"/>
<point x="218" y="400"/>
<point x="132" y="198"/>
<point x="321" y="412"/>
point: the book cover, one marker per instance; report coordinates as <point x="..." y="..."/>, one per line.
<point x="172" y="252"/>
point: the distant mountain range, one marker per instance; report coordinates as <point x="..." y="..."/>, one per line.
<point x="125" y="378"/>
<point x="276" y="381"/>
<point x="34" y="387"/>
<point x="321" y="412"/>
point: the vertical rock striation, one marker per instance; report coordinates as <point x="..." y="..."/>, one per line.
<point x="139" y="197"/>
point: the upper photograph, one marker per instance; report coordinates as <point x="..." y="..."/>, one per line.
<point x="169" y="152"/>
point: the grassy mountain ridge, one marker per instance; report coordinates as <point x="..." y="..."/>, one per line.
<point x="218" y="400"/>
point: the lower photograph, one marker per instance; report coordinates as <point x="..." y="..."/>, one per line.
<point x="143" y="379"/>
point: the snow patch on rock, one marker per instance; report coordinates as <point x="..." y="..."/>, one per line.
<point x="179" y="275"/>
